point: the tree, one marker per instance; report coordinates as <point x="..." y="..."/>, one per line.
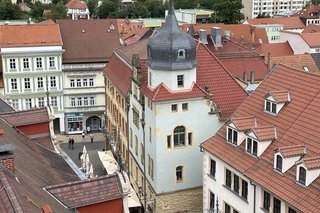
<point x="93" y="5"/>
<point x="228" y="11"/>
<point x="108" y="9"/>
<point x="58" y="11"/>
<point x="155" y="7"/>
<point x="315" y="2"/>
<point x="37" y="11"/>
<point x="9" y="10"/>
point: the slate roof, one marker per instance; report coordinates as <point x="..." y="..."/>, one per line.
<point x="298" y="62"/>
<point x="87" y="192"/>
<point x="76" y="4"/>
<point x="316" y="59"/>
<point x="293" y="22"/>
<point x="312" y="39"/>
<point x="298" y="122"/>
<point x="244" y="123"/>
<point x="5" y="107"/>
<point x="35" y="168"/>
<point x="26" y="117"/>
<point x="289" y="151"/>
<point x="30" y="35"/>
<point x="89" y="40"/>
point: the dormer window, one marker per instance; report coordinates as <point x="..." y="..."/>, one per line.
<point x="279" y="163"/>
<point x="232" y="136"/>
<point x="181" y="54"/>
<point x="252" y="146"/>
<point x="302" y="175"/>
<point x="271" y="107"/>
<point x="275" y="101"/>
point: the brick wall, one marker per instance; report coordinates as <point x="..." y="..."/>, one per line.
<point x="8" y="163"/>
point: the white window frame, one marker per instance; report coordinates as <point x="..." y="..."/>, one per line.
<point x="52" y="62"/>
<point x="26" y="63"/>
<point x="39" y="62"/>
<point x="27" y="83"/>
<point x="40" y="82"/>
<point x="72" y="82"/>
<point x="54" y="101"/>
<point x="232" y="139"/>
<point x="15" y="103"/>
<point x="12" y="64"/>
<point x="41" y="102"/>
<point x="253" y="141"/>
<point x="14" y="84"/>
<point x="53" y="81"/>
<point x="28" y="103"/>
<point x="91" y="82"/>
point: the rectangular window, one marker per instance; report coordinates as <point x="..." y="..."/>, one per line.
<point x="14" y="84"/>
<point x="252" y="146"/>
<point x="73" y="102"/>
<point x="212" y="198"/>
<point x="174" y="107"/>
<point x="244" y="190"/>
<point x="142" y="153"/>
<point x="274" y="108"/>
<point x="28" y="102"/>
<point x="78" y="82"/>
<point x="85" y="101"/>
<point x="92" y="101"/>
<point x="72" y="82"/>
<point x="41" y="102"/>
<point x="85" y="82"/>
<point x="271" y="107"/>
<point x="15" y="104"/>
<point x="53" y="82"/>
<point x="152" y="168"/>
<point x="54" y="101"/>
<point x="227" y="208"/>
<point x="228" y="178"/>
<point x="40" y="82"/>
<point x="135" y="114"/>
<point x="185" y="106"/>
<point x="249" y="145"/>
<point x="180" y="82"/>
<point x="169" y="141"/>
<point x="26" y="63"/>
<point x="236" y="183"/>
<point x="232" y="136"/>
<point x="12" y="63"/>
<point x="150" y="134"/>
<point x="290" y="210"/>
<point x="79" y="101"/>
<point x="276" y="205"/>
<point x="212" y="168"/>
<point x="91" y="83"/>
<point x="179" y="173"/>
<point x="255" y="148"/>
<point x="27" y="84"/>
<point x="190" y="138"/>
<point x="52" y="63"/>
<point x="39" y="62"/>
<point x="266" y="200"/>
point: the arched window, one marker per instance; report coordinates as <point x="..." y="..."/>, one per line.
<point x="179" y="173"/>
<point x="181" y="54"/>
<point x="279" y="163"/>
<point x="179" y="134"/>
<point x="302" y="175"/>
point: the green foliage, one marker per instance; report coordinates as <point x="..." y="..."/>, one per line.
<point x="108" y="9"/>
<point x="92" y="5"/>
<point x="185" y="4"/>
<point x="228" y="11"/>
<point x="37" y="11"/>
<point x="315" y="2"/>
<point x="58" y="11"/>
<point x="9" y="11"/>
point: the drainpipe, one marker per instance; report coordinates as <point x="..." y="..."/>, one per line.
<point x="127" y="130"/>
<point x="143" y="123"/>
<point x="254" y="197"/>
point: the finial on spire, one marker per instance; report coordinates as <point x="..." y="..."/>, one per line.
<point x="171" y="7"/>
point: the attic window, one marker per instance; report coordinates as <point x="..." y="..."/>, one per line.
<point x="232" y="136"/>
<point x="181" y="54"/>
<point x="279" y="161"/>
<point x="271" y="107"/>
<point x="302" y="175"/>
<point x="252" y="146"/>
<point x="276" y="100"/>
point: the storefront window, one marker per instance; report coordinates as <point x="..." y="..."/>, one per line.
<point x="75" y="124"/>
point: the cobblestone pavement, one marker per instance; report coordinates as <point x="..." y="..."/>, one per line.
<point x="98" y="144"/>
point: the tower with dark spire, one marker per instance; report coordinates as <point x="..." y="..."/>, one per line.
<point x="171" y="49"/>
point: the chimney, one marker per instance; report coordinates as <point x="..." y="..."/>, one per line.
<point x="7" y="157"/>
<point x="253" y="33"/>
<point x="227" y="34"/>
<point x="252" y="77"/>
<point x="203" y="36"/>
<point x="245" y="77"/>
<point x="216" y="36"/>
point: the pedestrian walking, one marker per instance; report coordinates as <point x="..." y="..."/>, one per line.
<point x="69" y="141"/>
<point x="83" y="135"/>
<point x="88" y="129"/>
<point x="91" y="137"/>
<point x="72" y="143"/>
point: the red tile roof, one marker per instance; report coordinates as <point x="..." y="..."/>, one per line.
<point x="297" y="122"/>
<point x="244" y="123"/>
<point x="312" y="11"/>
<point x="311" y="28"/>
<point x="119" y="73"/>
<point x="280" y="96"/>
<point x="87" y="192"/>
<point x="275" y="50"/>
<point x="26" y="117"/>
<point x="299" y="62"/>
<point x="289" y="151"/>
<point x="76" y="4"/>
<point x="312" y="39"/>
<point x="30" y="35"/>
<point x="312" y="163"/>
<point x="89" y="40"/>
<point x="287" y="22"/>
<point x="265" y="133"/>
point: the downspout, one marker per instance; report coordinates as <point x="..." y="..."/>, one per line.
<point x="144" y="162"/>
<point x="254" y="197"/>
<point x="127" y="131"/>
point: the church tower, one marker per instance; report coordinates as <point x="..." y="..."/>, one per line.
<point x="171" y="56"/>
